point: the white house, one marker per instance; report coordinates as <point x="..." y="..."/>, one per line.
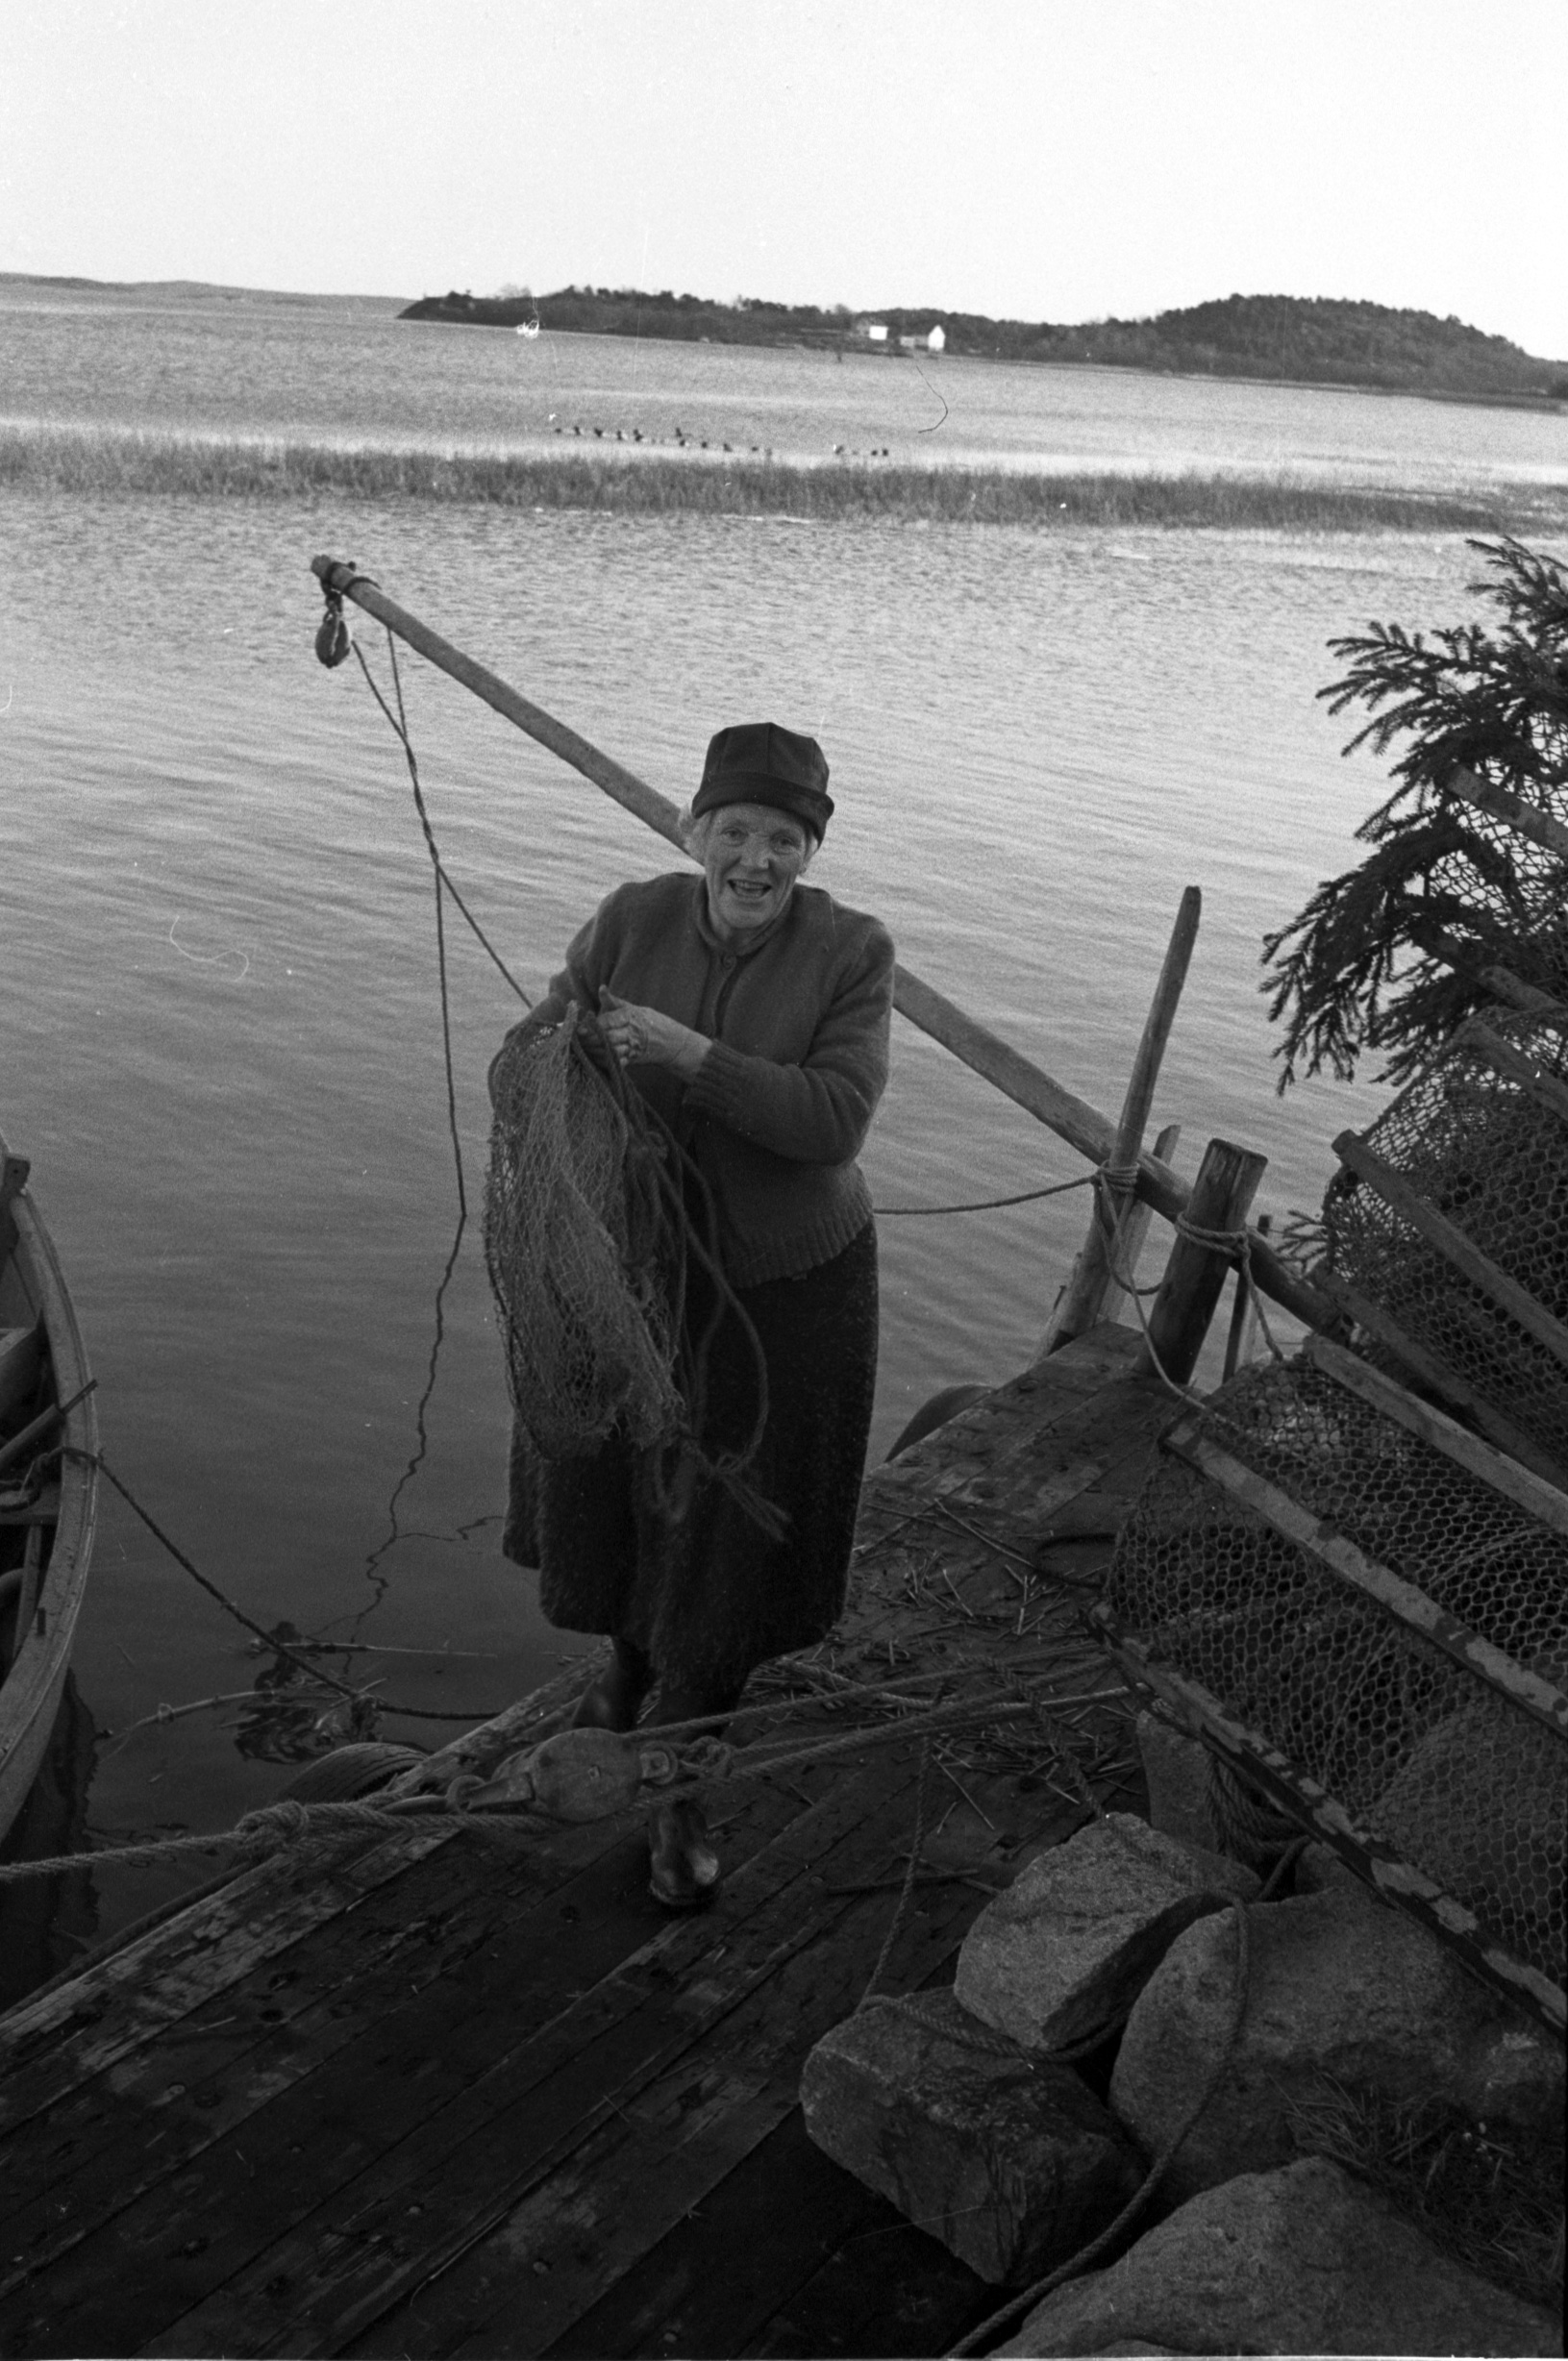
<point x="934" y="342"/>
<point x="874" y="330"/>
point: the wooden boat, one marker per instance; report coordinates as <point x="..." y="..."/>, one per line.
<point x="47" y="1503"/>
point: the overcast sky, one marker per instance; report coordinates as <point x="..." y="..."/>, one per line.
<point x="1056" y="160"/>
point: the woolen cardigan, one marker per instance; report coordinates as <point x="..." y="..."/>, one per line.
<point x="799" y="1019"/>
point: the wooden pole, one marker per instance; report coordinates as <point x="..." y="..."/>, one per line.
<point x="1526" y="819"/>
<point x="1083" y="1301"/>
<point x="1238" y="1344"/>
<point x="1226" y="1185"/>
<point x="1135" y="1228"/>
<point x="1081" y="1126"/>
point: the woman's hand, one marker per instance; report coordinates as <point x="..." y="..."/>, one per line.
<point x="646" y="1037"/>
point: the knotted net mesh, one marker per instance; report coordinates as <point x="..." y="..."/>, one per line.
<point x="1488" y="1149"/>
<point x="574" y="1246"/>
<point x="1459" y="1777"/>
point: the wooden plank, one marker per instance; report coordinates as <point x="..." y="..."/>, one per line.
<point x="1526" y="1489"/>
<point x="1515" y="811"/>
<point x="1518" y="994"/>
<point x="1480" y="1269"/>
<point x="639" y="2176"/>
<point x="291" y="2225"/>
<point x="1506" y="1058"/>
<point x="1423" y="1363"/>
<point x="164" y="2106"/>
<point x="80" y="2028"/>
<point x="1317" y="1811"/>
<point x="308" y="2277"/>
<point x="1529" y="1690"/>
<point x="811" y="2256"/>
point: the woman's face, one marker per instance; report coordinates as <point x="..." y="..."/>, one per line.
<point x="752" y="858"/>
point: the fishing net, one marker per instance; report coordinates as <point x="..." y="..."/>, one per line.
<point x="1482" y="1138"/>
<point x="1420" y="1749"/>
<point x="574" y="1243"/>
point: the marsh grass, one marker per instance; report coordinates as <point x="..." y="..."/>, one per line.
<point x="1489" y="2198"/>
<point x="106" y="463"/>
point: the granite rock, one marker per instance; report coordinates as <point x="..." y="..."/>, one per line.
<point x="1010" y="2161"/>
<point x="1304" y="2260"/>
<point x="1176" y="1770"/>
<point x="1339" y="1984"/>
<point x="1061" y="1955"/>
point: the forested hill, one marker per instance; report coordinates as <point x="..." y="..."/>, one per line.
<point x="1318" y="340"/>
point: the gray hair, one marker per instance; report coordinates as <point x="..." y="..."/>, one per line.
<point x="696" y="827"/>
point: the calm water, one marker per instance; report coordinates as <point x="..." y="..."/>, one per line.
<point x="352" y="373"/>
<point x="223" y="1047"/>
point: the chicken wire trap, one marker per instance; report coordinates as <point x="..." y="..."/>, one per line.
<point x="1358" y="1602"/>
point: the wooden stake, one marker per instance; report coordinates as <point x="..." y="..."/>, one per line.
<point x="1226" y="1185"/>
<point x="1135" y="1229"/>
<point x="1083" y="1302"/>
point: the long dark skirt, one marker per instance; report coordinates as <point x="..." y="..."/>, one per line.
<point x="707" y="1593"/>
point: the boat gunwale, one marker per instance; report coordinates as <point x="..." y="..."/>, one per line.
<point x="31" y="1688"/>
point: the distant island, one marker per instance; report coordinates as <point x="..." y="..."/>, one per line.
<point x="1313" y="341"/>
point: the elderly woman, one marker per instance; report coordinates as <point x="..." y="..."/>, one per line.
<point x="751" y="1011"/>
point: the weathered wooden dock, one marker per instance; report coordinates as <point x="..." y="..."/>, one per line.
<point x="442" y="2092"/>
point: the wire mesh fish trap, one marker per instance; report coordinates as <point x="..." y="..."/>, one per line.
<point x="572" y="1244"/>
<point x="1386" y="1628"/>
<point x="1450" y="1220"/>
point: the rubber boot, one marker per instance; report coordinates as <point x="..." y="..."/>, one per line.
<point x="683" y="1871"/>
<point x="614" y="1699"/>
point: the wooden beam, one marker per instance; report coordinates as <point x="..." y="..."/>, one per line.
<point x="1506" y="1059"/>
<point x="1515" y="811"/>
<point x="1319" y="1812"/>
<point x="1524" y="996"/>
<point x="1322" y="1542"/>
<point x="1423" y="1363"/>
<point x="1450" y="1240"/>
<point x="1083" y="1301"/>
<point x="1226" y="1185"/>
<point x="1081" y="1126"/>
<point x="1527" y="1490"/>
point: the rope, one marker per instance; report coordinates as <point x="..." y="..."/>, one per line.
<point x="986" y="1205"/>
<point x="708" y="1763"/>
<point x="901" y="1911"/>
<point x="422" y="1713"/>
<point x="271" y="1829"/>
<point x="996" y="2323"/>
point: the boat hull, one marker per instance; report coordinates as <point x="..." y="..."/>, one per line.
<point x="33" y="1290"/>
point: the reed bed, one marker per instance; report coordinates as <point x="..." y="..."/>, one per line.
<point x="104" y="462"/>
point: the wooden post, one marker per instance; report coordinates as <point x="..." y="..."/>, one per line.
<point x="1238" y="1344"/>
<point x="1083" y="1301"/>
<point x="1135" y="1229"/>
<point x="1226" y="1185"/>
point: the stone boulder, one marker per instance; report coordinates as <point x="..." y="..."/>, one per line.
<point x="1061" y="1955"/>
<point x="1010" y="2161"/>
<point x="1305" y="2260"/>
<point x="1175" y="1771"/>
<point x="1339" y="1984"/>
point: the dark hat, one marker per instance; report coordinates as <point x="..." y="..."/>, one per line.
<point x="757" y="762"/>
